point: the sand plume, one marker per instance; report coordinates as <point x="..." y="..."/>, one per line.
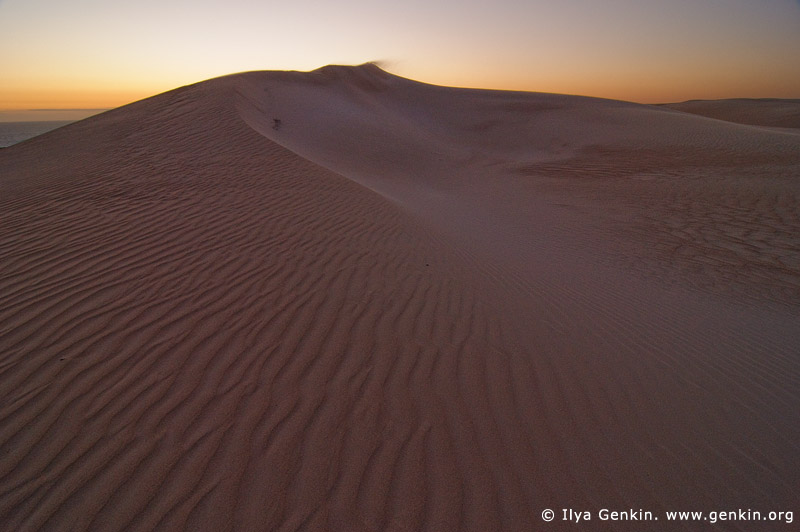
<point x="408" y="307"/>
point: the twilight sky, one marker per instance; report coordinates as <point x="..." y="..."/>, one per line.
<point x="99" y="53"/>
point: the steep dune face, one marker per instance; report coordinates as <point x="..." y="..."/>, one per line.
<point x="345" y="300"/>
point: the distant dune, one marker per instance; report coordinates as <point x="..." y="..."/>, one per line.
<point x="756" y="112"/>
<point x="344" y="300"/>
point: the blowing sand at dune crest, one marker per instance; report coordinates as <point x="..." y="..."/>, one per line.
<point x="344" y="300"/>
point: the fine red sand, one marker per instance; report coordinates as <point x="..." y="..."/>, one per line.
<point x="343" y="300"/>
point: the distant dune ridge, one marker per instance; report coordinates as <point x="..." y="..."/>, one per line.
<point x="751" y="111"/>
<point x="344" y="300"/>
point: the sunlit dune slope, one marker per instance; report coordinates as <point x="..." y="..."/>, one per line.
<point x="344" y="300"/>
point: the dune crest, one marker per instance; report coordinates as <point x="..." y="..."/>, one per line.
<point x="344" y="300"/>
<point x="751" y="111"/>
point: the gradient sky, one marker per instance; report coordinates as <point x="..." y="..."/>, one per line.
<point x="98" y="54"/>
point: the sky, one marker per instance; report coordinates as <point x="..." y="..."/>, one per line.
<point x="90" y="54"/>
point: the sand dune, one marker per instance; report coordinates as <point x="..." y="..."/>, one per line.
<point x="756" y="112"/>
<point x="343" y="300"/>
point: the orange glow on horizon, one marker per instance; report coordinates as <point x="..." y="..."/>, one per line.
<point x="40" y="98"/>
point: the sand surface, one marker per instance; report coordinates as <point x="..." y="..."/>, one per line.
<point x="751" y="111"/>
<point x="343" y="300"/>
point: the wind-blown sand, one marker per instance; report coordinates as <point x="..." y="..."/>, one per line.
<point x="400" y="307"/>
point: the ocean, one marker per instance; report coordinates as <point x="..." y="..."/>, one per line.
<point x="13" y="132"/>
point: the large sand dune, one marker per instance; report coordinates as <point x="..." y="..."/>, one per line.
<point x="343" y="300"/>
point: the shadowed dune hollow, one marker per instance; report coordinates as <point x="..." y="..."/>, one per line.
<point x="344" y="300"/>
